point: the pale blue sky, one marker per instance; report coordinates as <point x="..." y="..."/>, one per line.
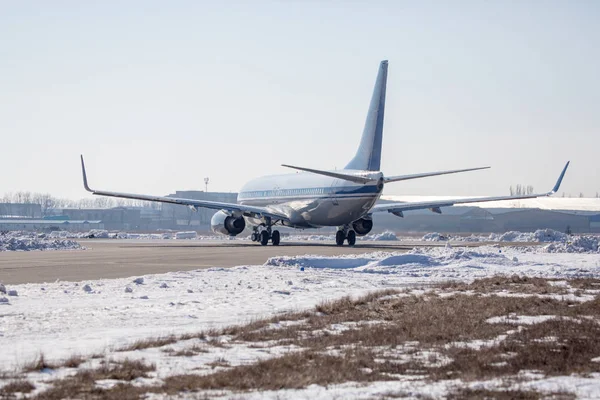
<point x="157" y="95"/>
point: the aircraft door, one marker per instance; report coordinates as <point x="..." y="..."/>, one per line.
<point x="332" y="192"/>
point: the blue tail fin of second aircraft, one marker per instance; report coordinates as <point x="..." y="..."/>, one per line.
<point x="368" y="155"/>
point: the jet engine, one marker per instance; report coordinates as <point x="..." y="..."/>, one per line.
<point x="362" y="226"/>
<point x="226" y="224"/>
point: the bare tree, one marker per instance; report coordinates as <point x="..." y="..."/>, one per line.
<point x="580" y="195"/>
<point x="103" y="202"/>
<point x="7" y="198"/>
<point x="26" y="197"/>
<point x="45" y="200"/>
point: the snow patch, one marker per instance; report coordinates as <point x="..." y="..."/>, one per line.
<point x="434" y="237"/>
<point x="577" y="244"/>
<point x="28" y="241"/>
<point x="186" y="235"/>
<point x="387" y="235"/>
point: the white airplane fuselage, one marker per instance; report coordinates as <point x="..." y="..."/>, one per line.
<point x="311" y="200"/>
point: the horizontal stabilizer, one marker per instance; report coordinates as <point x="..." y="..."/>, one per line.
<point x="346" y="177"/>
<point x="427" y="174"/>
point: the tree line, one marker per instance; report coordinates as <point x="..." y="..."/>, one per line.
<point x="47" y="201"/>
<point x="522" y="190"/>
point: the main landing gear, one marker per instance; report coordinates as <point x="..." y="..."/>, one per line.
<point x="343" y="235"/>
<point x="263" y="234"/>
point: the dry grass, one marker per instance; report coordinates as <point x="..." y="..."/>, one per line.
<point x="219" y="362"/>
<point x="437" y="326"/>
<point x="150" y="343"/>
<point x="433" y="322"/>
<point x="83" y="383"/>
<point x="514" y="283"/>
<point x="18" y="386"/>
<point x="477" y="394"/>
<point x="73" y="362"/>
<point x="39" y="364"/>
<point x="585" y="283"/>
<point x="293" y="370"/>
<point x="187" y="352"/>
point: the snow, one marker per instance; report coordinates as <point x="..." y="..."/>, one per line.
<point x="521" y="319"/>
<point x="63" y="318"/>
<point x="438" y="264"/>
<point x="186" y="235"/>
<point x="28" y="241"/>
<point x="434" y="237"/>
<point x="60" y="319"/>
<point x="577" y="244"/>
<point x="387" y="235"/>
<point x="540" y="235"/>
<point x="558" y="242"/>
<point x="98" y="234"/>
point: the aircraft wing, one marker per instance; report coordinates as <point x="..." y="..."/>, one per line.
<point x="256" y="212"/>
<point x="398" y="208"/>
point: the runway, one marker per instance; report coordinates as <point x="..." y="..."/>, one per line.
<point x="108" y="258"/>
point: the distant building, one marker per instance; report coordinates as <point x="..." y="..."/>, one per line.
<point x="175" y="216"/>
<point x="478" y="220"/>
<point x="117" y="218"/>
<point x="48" y="225"/>
<point x="21" y="210"/>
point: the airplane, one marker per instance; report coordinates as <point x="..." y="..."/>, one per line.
<point x="316" y="198"/>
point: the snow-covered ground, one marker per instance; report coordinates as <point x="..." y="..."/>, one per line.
<point x="558" y="241"/>
<point x="27" y="241"/>
<point x="59" y="319"/>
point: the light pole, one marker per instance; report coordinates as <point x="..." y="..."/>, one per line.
<point x="206" y="184"/>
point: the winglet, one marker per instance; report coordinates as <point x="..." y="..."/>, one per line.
<point x="560" y="178"/>
<point x="85" y="182"/>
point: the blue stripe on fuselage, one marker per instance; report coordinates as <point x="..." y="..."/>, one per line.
<point x="308" y="192"/>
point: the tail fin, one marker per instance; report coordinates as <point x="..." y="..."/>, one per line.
<point x="368" y="155"/>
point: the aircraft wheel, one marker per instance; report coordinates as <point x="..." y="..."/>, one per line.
<point x="275" y="238"/>
<point x="254" y="237"/>
<point x="351" y="238"/>
<point x="339" y="238"/>
<point x="264" y="238"/>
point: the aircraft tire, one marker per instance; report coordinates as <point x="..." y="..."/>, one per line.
<point x="339" y="238"/>
<point x="275" y="238"/>
<point x="264" y="238"/>
<point x="351" y="238"/>
<point x="254" y="237"/>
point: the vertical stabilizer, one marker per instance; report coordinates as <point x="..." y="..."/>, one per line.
<point x="368" y="155"/>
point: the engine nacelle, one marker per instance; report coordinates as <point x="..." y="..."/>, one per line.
<point x="362" y="226"/>
<point x="226" y="224"/>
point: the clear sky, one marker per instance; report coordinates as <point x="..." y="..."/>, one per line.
<point x="158" y="95"/>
